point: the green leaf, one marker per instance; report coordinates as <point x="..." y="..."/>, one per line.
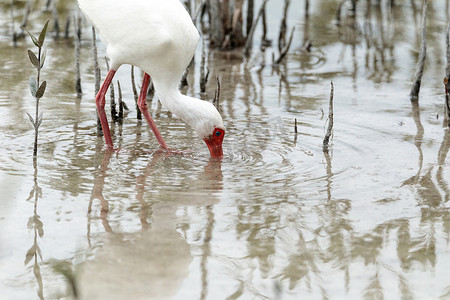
<point x="43" y="33"/>
<point x="31" y="119"/>
<point x="41" y="90"/>
<point x="34" y="60"/>
<point x="33" y="86"/>
<point x="43" y="56"/>
<point x="33" y="38"/>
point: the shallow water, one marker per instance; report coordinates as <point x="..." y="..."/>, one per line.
<point x="276" y="218"/>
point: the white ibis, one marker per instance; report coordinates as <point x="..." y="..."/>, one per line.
<point x="158" y="37"/>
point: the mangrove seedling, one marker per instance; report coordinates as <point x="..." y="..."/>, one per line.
<point x="36" y="87"/>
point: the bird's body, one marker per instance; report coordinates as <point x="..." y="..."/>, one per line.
<point x="157" y="36"/>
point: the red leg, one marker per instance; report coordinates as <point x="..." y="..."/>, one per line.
<point x="142" y="103"/>
<point x="100" y="102"/>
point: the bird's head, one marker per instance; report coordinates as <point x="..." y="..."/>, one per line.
<point x="206" y="120"/>
<point x="214" y="142"/>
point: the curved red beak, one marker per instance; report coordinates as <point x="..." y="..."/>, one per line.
<point x="214" y="143"/>
<point x="215" y="149"/>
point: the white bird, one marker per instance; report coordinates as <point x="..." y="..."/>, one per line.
<point x="158" y="37"/>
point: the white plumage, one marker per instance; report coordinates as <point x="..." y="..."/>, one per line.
<point x="157" y="36"/>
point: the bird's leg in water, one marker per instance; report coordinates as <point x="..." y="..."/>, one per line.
<point x="142" y="103"/>
<point x="100" y="102"/>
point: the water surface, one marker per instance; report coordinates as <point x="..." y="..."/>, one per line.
<point x="276" y="218"/>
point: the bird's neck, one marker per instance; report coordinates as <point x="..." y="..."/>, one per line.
<point x="201" y="115"/>
<point x="184" y="107"/>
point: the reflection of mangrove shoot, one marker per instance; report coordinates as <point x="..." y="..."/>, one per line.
<point x="414" y="95"/>
<point x="37" y="88"/>
<point x="326" y="140"/>
<point x="36" y="224"/>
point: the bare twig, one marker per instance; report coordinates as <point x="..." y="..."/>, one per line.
<point x="135" y="93"/>
<point x="264" y="41"/>
<point x="113" y="102"/>
<point x="326" y="140"/>
<point x="114" y="116"/>
<point x="77" y="58"/>
<point x="203" y="79"/>
<point x="150" y="91"/>
<point x="237" y="34"/>
<point x="97" y="70"/>
<point x="13" y="25"/>
<point x="198" y="10"/>
<point x="217" y="95"/>
<point x="67" y="28"/>
<point x="183" y="81"/>
<point x="228" y="15"/>
<point x="97" y="73"/>
<point x="283" y="27"/>
<point x="218" y="16"/>
<point x="248" y="43"/>
<point x="55" y="19"/>
<point x="122" y="104"/>
<point x="353" y="9"/>
<point x="296" y="132"/>
<point x="414" y="95"/>
<point x="25" y="15"/>
<point x="47" y="5"/>
<point x="447" y="79"/>
<point x="285" y="50"/>
<point x="339" y="12"/>
<point x="307" y="8"/>
<point x="24" y="22"/>
<point x="250" y="11"/>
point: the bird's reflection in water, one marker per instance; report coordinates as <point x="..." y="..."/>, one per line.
<point x="151" y="263"/>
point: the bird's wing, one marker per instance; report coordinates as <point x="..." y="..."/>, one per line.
<point x="155" y="35"/>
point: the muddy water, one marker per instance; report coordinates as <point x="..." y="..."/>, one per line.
<point x="276" y="218"/>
